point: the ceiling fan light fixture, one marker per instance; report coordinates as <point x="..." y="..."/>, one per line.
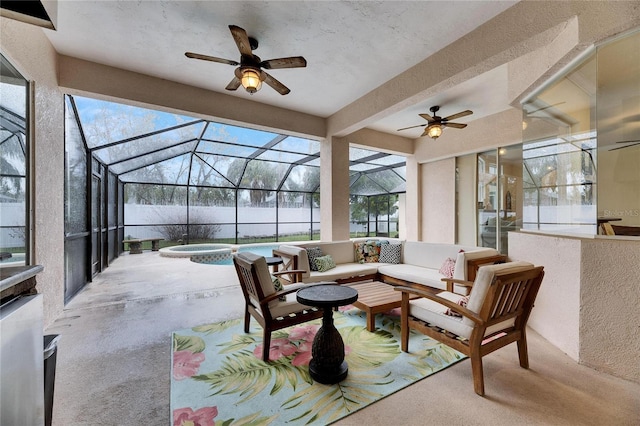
<point x="251" y="80"/>
<point x="434" y="131"/>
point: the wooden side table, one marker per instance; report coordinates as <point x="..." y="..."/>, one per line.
<point x="327" y="365"/>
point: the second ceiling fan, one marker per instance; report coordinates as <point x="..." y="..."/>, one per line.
<point x="435" y="124"/>
<point x="249" y="73"/>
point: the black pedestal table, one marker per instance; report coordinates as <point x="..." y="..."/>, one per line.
<point x="327" y="365"/>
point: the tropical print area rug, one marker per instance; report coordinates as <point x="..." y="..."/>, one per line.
<point x="218" y="378"/>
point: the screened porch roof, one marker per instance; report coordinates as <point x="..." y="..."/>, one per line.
<point x="147" y="146"/>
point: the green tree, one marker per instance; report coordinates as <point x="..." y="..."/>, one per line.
<point x="259" y="177"/>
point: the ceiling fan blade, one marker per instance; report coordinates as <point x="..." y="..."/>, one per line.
<point x="427" y="117"/>
<point x="291" y="62"/>
<point x="210" y="58"/>
<point x="626" y="146"/>
<point x="454" y="125"/>
<point x="233" y="84"/>
<point x="242" y="40"/>
<point x="458" y="115"/>
<point x="412" y="127"/>
<point x="425" y="133"/>
<point x="277" y="86"/>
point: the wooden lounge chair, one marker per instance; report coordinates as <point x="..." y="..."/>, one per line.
<point x="263" y="301"/>
<point x="495" y="314"/>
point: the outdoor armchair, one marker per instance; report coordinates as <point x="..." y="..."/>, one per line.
<point x="273" y="309"/>
<point x="494" y="314"/>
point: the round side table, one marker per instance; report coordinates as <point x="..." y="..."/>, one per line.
<point x="327" y="365"/>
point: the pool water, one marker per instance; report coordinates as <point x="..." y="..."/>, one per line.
<point x="15" y="259"/>
<point x="260" y="250"/>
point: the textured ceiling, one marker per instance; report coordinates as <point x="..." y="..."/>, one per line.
<point x="351" y="47"/>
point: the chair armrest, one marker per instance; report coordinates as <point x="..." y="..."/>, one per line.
<point x="297" y="272"/>
<point x="449" y="304"/>
<point x="292" y="288"/>
<point x="283" y="254"/>
<point x="451" y="281"/>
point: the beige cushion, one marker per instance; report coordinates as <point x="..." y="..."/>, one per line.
<point x="435" y="313"/>
<point x="486" y="275"/>
<point x="262" y="271"/>
<point x="343" y="270"/>
<point x="461" y="273"/>
<point x="282" y="309"/>
<point x="415" y="274"/>
<point x="277" y="308"/>
<point x="433" y="255"/>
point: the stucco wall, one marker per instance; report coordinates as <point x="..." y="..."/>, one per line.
<point x="610" y="318"/>
<point x="587" y="304"/>
<point x="439" y="192"/>
<point x="31" y="53"/>
<point x="556" y="314"/>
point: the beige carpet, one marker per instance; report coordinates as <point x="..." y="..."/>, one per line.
<point x="114" y="361"/>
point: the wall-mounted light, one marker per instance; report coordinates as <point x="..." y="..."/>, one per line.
<point x="434" y="131"/>
<point x="251" y="80"/>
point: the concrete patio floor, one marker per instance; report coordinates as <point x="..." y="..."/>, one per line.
<point x="113" y="363"/>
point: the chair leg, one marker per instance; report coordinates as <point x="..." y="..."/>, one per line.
<point x="478" y="374"/>
<point x="404" y="324"/>
<point x="523" y="353"/>
<point x="247" y="319"/>
<point x="266" y="345"/>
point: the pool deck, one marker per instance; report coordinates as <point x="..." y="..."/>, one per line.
<point x="163" y="278"/>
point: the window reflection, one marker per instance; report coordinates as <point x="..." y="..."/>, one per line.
<point x="582" y="145"/>
<point x="14" y="154"/>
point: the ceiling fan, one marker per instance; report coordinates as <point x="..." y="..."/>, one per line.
<point x="435" y="124"/>
<point x="249" y="73"/>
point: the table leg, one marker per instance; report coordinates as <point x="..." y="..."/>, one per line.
<point x="328" y="365"/>
<point x="371" y="321"/>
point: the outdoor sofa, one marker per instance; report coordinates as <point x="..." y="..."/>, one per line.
<point x="389" y="260"/>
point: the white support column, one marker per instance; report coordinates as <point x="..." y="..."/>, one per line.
<point x="334" y="189"/>
<point x="412" y="201"/>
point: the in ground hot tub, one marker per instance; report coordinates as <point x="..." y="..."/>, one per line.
<point x="200" y="253"/>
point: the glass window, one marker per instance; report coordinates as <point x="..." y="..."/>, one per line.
<point x="75" y="178"/>
<point x="262" y="175"/>
<point x="303" y="178"/>
<point x="14" y="166"/>
<point x="559" y="154"/>
<point x="618" y="125"/>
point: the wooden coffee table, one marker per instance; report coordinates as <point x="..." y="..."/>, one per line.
<point x="376" y="297"/>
